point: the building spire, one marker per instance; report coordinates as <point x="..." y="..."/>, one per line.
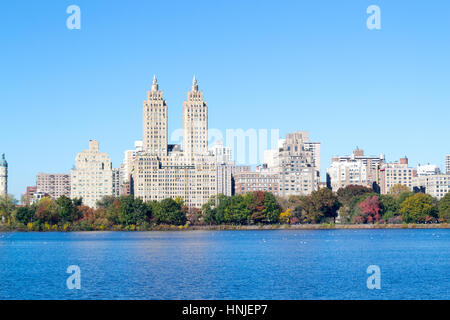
<point x="3" y="162"/>
<point x="155" y="84"/>
<point x="194" y="84"/>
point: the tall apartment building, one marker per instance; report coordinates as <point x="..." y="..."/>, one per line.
<point x="165" y="171"/>
<point x="447" y="164"/>
<point x="195" y="123"/>
<point x="396" y="173"/>
<point x="356" y="169"/>
<point x="92" y="177"/>
<point x="155" y="122"/>
<point x="3" y="176"/>
<point x="54" y="185"/>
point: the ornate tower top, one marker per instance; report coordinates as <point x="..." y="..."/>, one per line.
<point x="155" y="84"/>
<point x="194" y="84"/>
<point x="3" y="162"/>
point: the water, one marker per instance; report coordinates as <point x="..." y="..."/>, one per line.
<point x="322" y="264"/>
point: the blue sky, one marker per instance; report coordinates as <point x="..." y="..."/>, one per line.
<point x="288" y="65"/>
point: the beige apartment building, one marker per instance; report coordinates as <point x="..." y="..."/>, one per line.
<point x="297" y="164"/>
<point x="92" y="177"/>
<point x="396" y="173"/>
<point x="259" y="180"/>
<point x="356" y="169"/>
<point x="195" y="123"/>
<point x="54" y="185"/>
<point x="437" y="185"/>
<point x="165" y="171"/>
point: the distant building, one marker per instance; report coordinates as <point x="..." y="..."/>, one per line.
<point x="262" y="180"/>
<point x="54" y="185"/>
<point x="222" y="153"/>
<point x="117" y="182"/>
<point x="427" y="170"/>
<point x="447" y="164"/>
<point x="28" y="195"/>
<point x="92" y="177"/>
<point x="3" y="177"/>
<point x="225" y="168"/>
<point x="356" y="169"/>
<point x="395" y="173"/>
<point x="437" y="185"/>
<point x="297" y="163"/>
<point x="225" y="182"/>
<point x="129" y="156"/>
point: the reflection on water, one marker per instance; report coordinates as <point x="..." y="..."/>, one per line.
<point x="291" y="264"/>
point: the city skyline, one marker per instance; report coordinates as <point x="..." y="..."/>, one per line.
<point x="386" y="94"/>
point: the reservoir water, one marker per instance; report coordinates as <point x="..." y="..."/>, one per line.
<point x="280" y="264"/>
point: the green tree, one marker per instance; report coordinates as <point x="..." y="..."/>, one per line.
<point x="271" y="210"/>
<point x="389" y="207"/>
<point x="444" y="208"/>
<point x="25" y="215"/>
<point x="105" y="202"/>
<point x="168" y="211"/>
<point x="133" y="211"/>
<point x="418" y="208"/>
<point x="66" y="210"/>
<point x="7" y="206"/>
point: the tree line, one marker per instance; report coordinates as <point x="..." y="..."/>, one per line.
<point x="349" y="205"/>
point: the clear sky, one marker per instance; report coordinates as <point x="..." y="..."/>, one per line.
<point x="287" y="65"/>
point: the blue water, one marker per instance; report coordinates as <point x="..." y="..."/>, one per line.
<point x="415" y="264"/>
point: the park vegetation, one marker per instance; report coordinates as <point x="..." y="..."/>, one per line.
<point x="349" y="205"/>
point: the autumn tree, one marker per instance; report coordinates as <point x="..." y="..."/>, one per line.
<point x="369" y="211"/>
<point x="285" y="216"/>
<point x="419" y="208"/>
<point x="349" y="197"/>
<point x="320" y="206"/>
<point x="46" y="211"/>
<point x="397" y="190"/>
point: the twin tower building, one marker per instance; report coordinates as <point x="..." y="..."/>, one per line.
<point x="162" y="170"/>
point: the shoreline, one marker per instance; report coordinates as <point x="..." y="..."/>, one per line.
<point x="258" y="227"/>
